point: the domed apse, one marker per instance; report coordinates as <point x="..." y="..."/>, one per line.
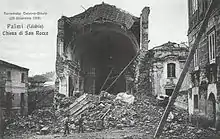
<point x="101" y="50"/>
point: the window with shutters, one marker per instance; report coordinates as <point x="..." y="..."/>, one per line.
<point x="196" y="63"/>
<point x="211" y="44"/>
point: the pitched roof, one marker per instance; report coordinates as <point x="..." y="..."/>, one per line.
<point x="12" y="65"/>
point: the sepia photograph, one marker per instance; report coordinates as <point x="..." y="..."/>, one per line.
<point x="110" y="69"/>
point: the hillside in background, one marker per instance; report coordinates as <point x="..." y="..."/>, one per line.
<point x="46" y="77"/>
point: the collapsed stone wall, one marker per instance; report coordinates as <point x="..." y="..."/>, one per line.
<point x="106" y="12"/>
<point x="145" y="79"/>
<point x="70" y="28"/>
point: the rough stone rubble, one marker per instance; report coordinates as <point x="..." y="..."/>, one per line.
<point x="144" y="114"/>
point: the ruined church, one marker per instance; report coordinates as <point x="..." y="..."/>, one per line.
<point x="93" y="44"/>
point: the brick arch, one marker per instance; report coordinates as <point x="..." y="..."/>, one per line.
<point x="96" y="28"/>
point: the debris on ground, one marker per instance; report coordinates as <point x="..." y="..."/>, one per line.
<point x="107" y="112"/>
<point x="125" y="97"/>
<point x="37" y="121"/>
<point x="162" y="100"/>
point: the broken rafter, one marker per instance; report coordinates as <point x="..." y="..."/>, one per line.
<point x="132" y="60"/>
<point x="106" y="80"/>
<point x="185" y="69"/>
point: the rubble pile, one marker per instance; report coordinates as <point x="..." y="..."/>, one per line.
<point x="118" y="114"/>
<point x="62" y="102"/>
<point x="187" y="131"/>
<point x="179" y="127"/>
<point x="121" y="114"/>
<point x="143" y="114"/>
<point x="39" y="119"/>
<point x="32" y="123"/>
<point x="148" y="114"/>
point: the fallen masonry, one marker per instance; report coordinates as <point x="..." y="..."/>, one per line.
<point x="144" y="114"/>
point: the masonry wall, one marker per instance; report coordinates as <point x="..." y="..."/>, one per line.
<point x="161" y="81"/>
<point x="201" y="85"/>
<point x="14" y="87"/>
<point x="17" y="87"/>
<point x="162" y="56"/>
<point x="67" y="67"/>
<point x="144" y="33"/>
<point x="2" y="90"/>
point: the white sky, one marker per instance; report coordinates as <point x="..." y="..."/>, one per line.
<point x="168" y="21"/>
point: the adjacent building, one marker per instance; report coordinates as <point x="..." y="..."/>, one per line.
<point x="14" y="84"/>
<point x="165" y="64"/>
<point x="204" y="93"/>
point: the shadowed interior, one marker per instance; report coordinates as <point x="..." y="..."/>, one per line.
<point x="104" y="48"/>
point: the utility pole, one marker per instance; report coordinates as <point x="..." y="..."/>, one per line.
<point x="213" y="4"/>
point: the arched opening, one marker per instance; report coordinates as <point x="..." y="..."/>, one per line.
<point x="104" y="48"/>
<point x="211" y="110"/>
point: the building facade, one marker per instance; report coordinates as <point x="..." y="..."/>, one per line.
<point x="92" y="44"/>
<point x="167" y="64"/>
<point x="204" y="93"/>
<point x="15" y="84"/>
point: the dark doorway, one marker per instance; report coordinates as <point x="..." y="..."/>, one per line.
<point x="9" y="98"/>
<point x="196" y="102"/>
<point x="22" y="103"/>
<point x="211" y="110"/>
<point x="169" y="92"/>
<point x="71" y="86"/>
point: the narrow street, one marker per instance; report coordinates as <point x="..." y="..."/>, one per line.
<point x="109" y="134"/>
